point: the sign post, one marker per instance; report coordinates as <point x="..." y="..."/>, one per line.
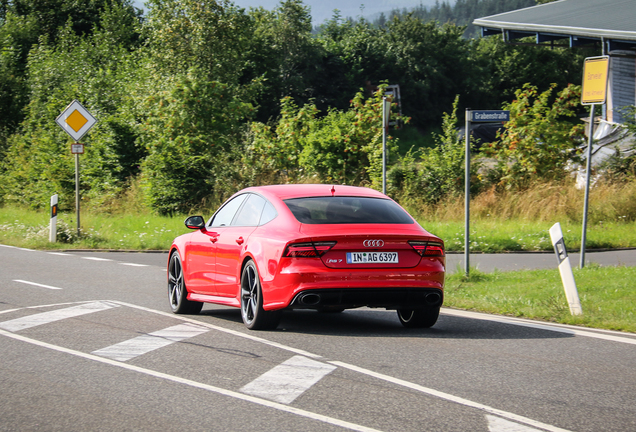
<point x="475" y="117"/>
<point x="76" y="121"/>
<point x="594" y="92"/>
<point x="386" y="111"/>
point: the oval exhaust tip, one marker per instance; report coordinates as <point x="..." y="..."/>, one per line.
<point x="433" y="298"/>
<point x="310" y="299"/>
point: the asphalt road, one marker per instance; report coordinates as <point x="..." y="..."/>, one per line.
<point x="87" y="343"/>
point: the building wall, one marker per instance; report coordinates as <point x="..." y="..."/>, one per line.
<point x="622" y="84"/>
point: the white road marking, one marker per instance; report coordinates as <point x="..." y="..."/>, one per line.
<point x="608" y="335"/>
<point x="221" y="329"/>
<point x="496" y="424"/>
<point x="397" y="381"/>
<point x="144" y="344"/>
<point x="56" y="315"/>
<point x="37" y="284"/>
<point x="59" y="253"/>
<point x="288" y="380"/>
<point x="195" y="384"/>
<point x="96" y="259"/>
<point x="450" y="397"/>
<point x="19" y="248"/>
<point x="134" y="264"/>
<point x="9" y="310"/>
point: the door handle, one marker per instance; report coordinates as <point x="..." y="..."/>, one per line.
<point x="240" y="240"/>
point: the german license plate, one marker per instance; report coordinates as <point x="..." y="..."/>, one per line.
<point x="372" y="258"/>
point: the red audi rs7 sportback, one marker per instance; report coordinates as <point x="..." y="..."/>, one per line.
<point x="320" y="247"/>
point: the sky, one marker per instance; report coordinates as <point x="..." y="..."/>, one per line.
<point x="322" y="10"/>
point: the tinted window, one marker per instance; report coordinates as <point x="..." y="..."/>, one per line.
<point x="347" y="210"/>
<point x="269" y="213"/>
<point x="250" y="213"/>
<point x="225" y="215"/>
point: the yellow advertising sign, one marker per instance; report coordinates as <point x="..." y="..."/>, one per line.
<point x="595" y="74"/>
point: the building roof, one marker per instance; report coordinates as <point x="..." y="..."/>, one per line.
<point x="580" y="21"/>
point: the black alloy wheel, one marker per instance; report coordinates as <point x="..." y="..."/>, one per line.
<point x="252" y="312"/>
<point x="177" y="292"/>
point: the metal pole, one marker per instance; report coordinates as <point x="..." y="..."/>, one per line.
<point x="384" y="127"/>
<point x="77" y="199"/>
<point x="467" y="187"/>
<point x="588" y="175"/>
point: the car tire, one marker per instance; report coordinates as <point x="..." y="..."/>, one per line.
<point x="252" y="312"/>
<point x="418" y="318"/>
<point x="177" y="292"/>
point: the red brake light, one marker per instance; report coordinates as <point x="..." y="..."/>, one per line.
<point x="308" y="250"/>
<point x="428" y="249"/>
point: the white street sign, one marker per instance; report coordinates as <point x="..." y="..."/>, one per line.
<point x="77" y="148"/>
<point x="76" y="120"/>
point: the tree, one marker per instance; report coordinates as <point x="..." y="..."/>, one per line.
<point x="538" y="141"/>
<point x="23" y="23"/>
<point x="285" y="55"/>
<point x="97" y="70"/>
<point x="341" y="146"/>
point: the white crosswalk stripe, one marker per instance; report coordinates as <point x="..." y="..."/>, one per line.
<point x="287" y="381"/>
<point x="496" y="424"/>
<point x="56" y="315"/>
<point x="143" y="344"/>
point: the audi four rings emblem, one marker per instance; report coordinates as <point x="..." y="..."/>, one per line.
<point x="373" y="243"/>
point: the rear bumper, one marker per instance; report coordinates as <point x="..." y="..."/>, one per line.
<point x="393" y="298"/>
<point x="309" y="284"/>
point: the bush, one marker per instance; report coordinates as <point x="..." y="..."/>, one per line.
<point x="539" y="139"/>
<point x="440" y="172"/>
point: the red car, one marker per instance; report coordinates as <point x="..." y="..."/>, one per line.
<point x="320" y="247"/>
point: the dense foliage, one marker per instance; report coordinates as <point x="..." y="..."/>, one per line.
<point x="199" y="98"/>
<point x="463" y="12"/>
<point x="539" y="139"/>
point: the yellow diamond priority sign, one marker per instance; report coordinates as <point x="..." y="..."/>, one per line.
<point x="76" y="120"/>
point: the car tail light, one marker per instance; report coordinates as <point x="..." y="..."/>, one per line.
<point x="428" y="249"/>
<point x="308" y="250"/>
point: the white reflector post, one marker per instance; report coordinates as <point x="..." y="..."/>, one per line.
<point x="565" y="268"/>
<point x="53" y="223"/>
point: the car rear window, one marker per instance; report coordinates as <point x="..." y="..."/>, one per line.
<point x="347" y="210"/>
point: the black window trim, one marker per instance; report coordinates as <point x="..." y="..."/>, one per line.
<point x="238" y="210"/>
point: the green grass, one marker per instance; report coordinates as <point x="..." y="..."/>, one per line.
<point x="608" y="299"/>
<point x="513" y="235"/>
<point x="30" y="229"/>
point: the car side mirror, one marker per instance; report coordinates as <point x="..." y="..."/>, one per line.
<point x="195" y="222"/>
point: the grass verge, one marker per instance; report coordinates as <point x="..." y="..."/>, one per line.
<point x="29" y="228"/>
<point x="607" y="297"/>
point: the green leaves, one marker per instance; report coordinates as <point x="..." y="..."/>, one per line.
<point x="538" y="141"/>
<point x="344" y="147"/>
